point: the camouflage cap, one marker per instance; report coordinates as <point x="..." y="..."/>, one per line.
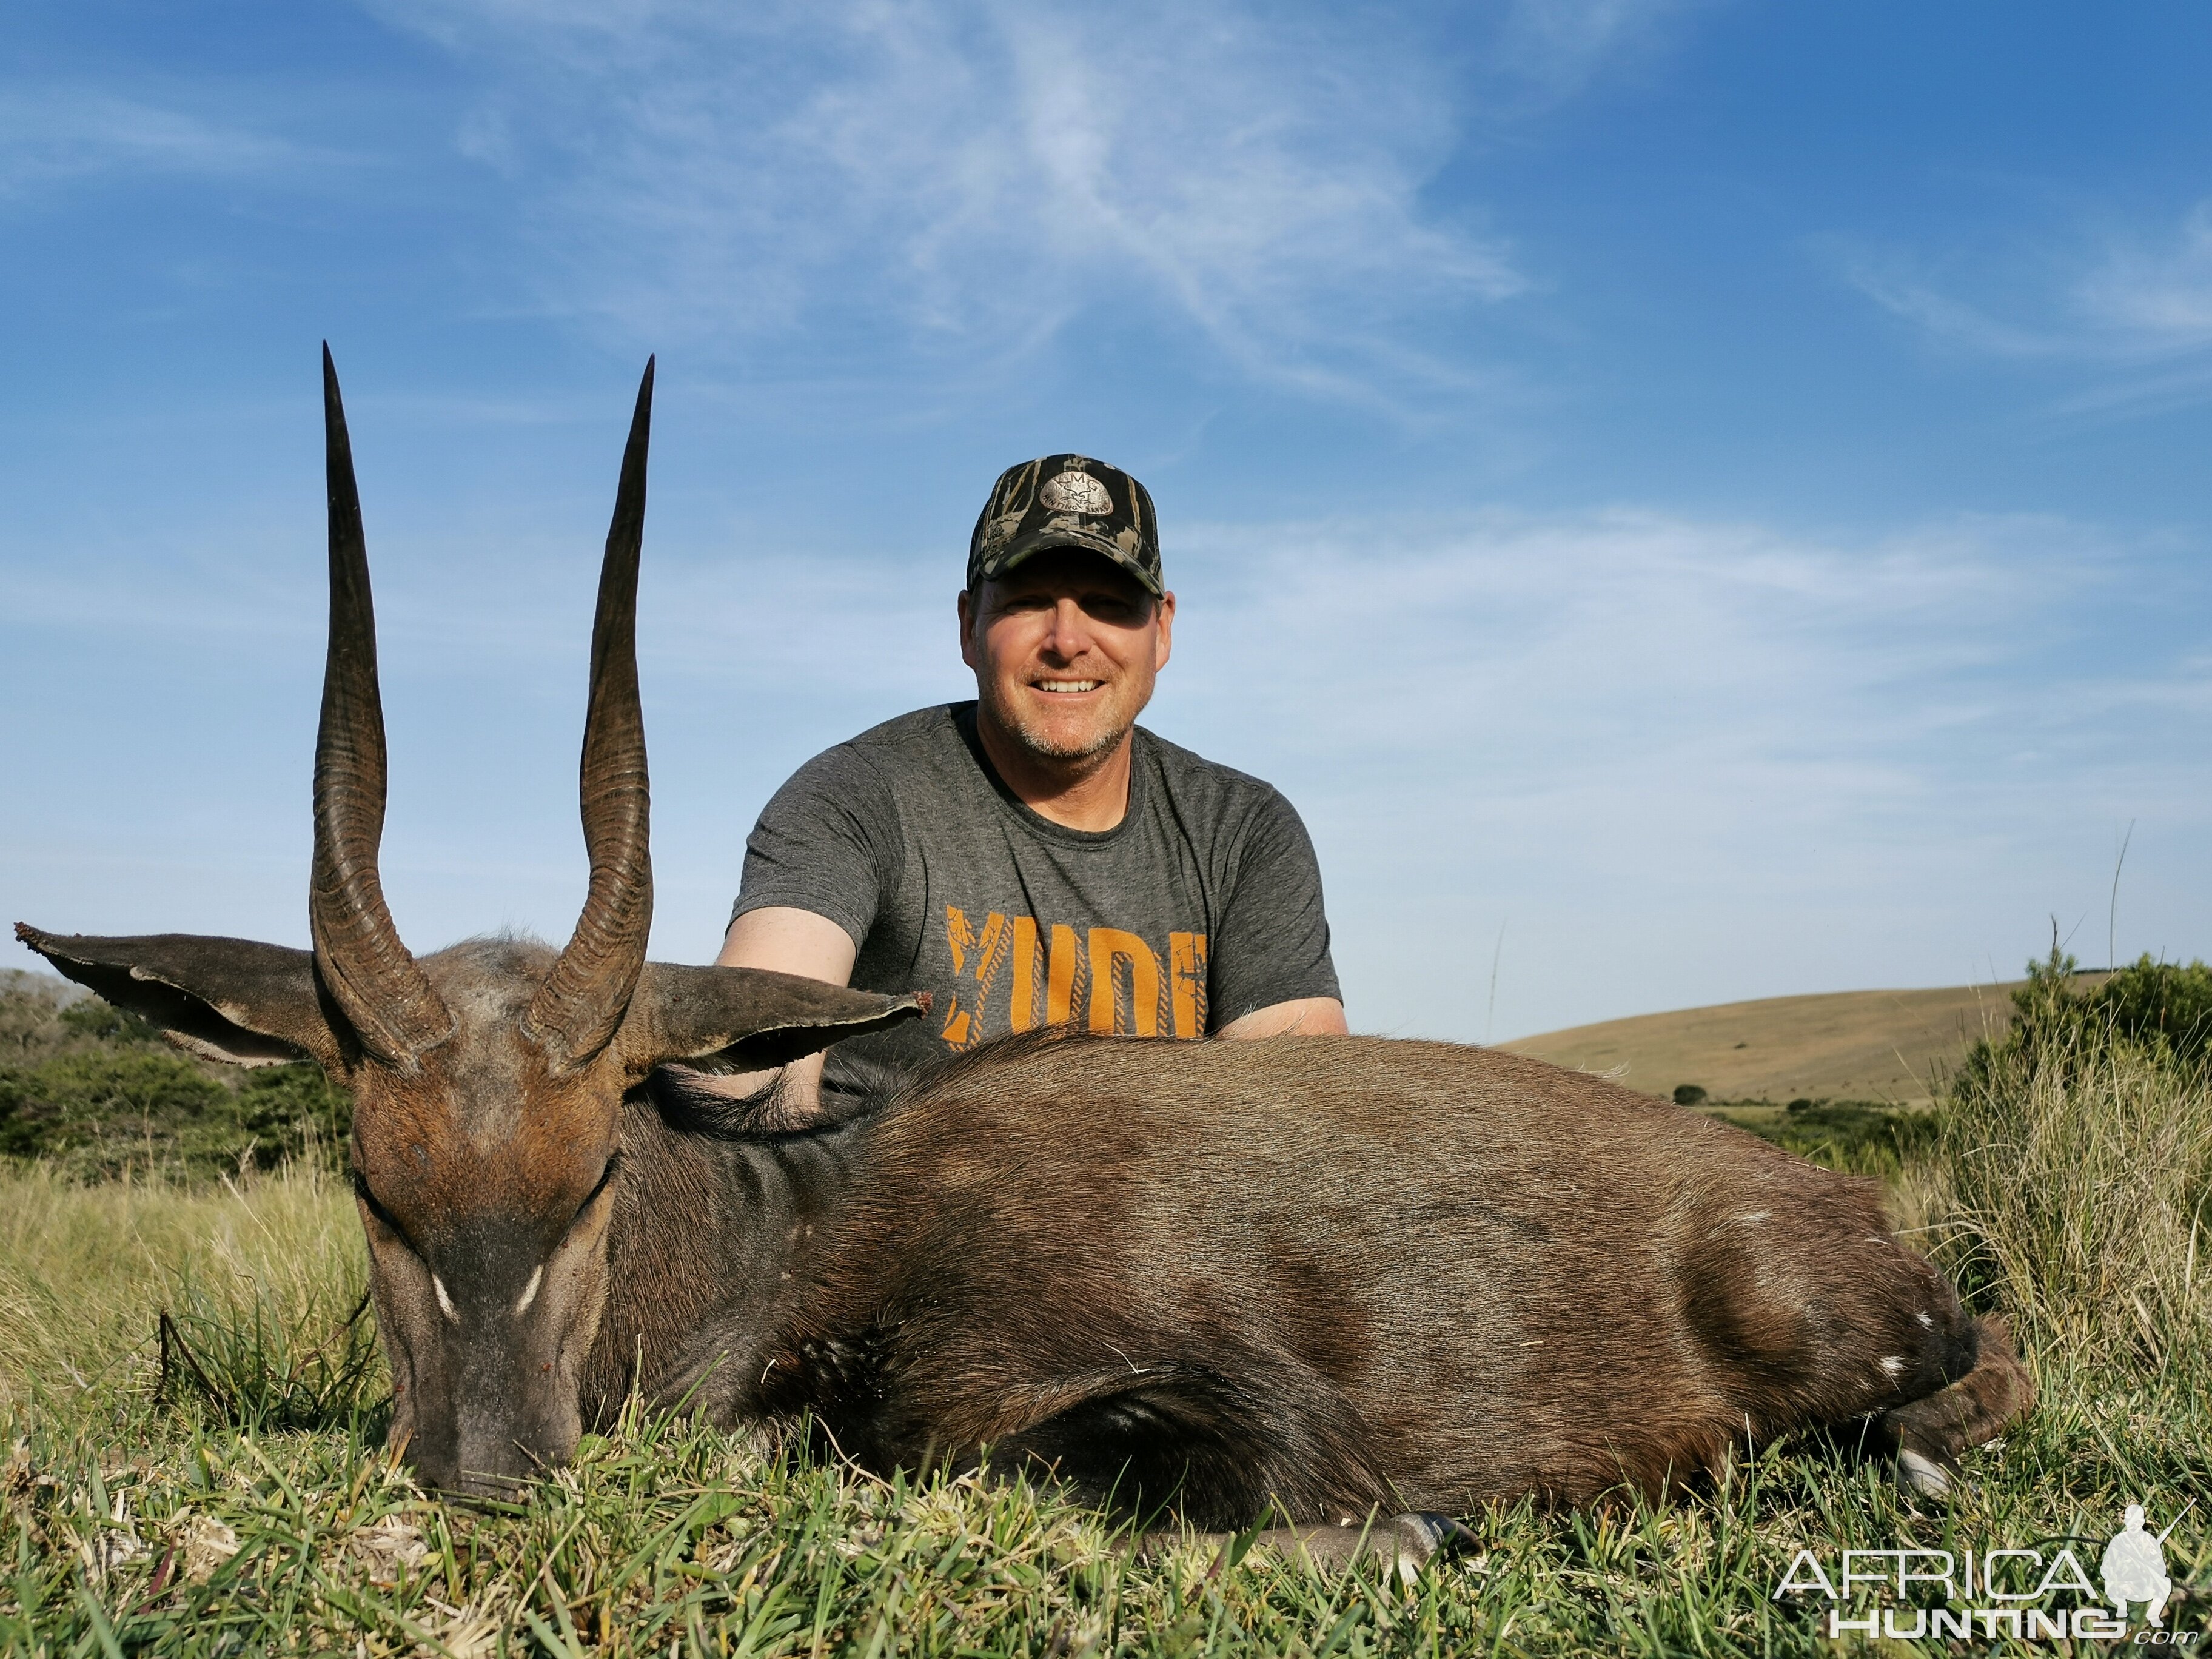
<point x="1066" y="501"/>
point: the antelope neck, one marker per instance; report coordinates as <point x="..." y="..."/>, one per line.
<point x="713" y="1236"/>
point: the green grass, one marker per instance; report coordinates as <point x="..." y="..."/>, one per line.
<point x="259" y="1512"/>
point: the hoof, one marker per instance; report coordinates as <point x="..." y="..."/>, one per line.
<point x="1446" y="1539"/>
<point x="1922" y="1475"/>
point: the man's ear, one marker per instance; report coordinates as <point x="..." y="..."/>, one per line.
<point x="749" y="1017"/>
<point x="226" y="998"/>
<point x="966" y="609"/>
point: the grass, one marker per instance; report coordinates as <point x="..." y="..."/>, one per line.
<point x="256" y="1511"/>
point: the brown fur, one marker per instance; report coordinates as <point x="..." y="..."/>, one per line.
<point x="1330" y="1273"/>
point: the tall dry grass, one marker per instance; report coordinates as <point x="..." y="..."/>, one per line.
<point x="2077" y="1178"/>
<point x="86" y="1271"/>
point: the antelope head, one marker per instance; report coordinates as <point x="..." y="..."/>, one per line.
<point x="487" y="1079"/>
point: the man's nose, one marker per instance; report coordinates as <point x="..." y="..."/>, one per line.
<point x="1069" y="637"/>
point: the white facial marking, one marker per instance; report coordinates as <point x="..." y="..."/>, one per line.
<point x="530" y="1291"/>
<point x="1927" y="1319"/>
<point x="1893" y="1364"/>
<point x="445" y="1303"/>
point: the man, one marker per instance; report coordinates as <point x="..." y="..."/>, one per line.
<point x="1036" y="858"/>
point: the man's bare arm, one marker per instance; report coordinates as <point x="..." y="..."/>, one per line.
<point x="1303" y="1016"/>
<point x="793" y="941"/>
<point x="789" y="940"/>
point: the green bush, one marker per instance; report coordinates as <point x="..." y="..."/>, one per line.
<point x="103" y="1022"/>
<point x="93" y="1091"/>
<point x="2058" y="1018"/>
<point x="76" y="1099"/>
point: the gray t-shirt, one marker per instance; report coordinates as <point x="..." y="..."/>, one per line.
<point x="1201" y="905"/>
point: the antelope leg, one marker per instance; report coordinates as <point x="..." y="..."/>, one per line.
<point x="1929" y="1433"/>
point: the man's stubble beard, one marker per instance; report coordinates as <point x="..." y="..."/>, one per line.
<point x="1047" y="748"/>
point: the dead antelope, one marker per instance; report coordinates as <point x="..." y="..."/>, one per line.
<point x="1330" y="1277"/>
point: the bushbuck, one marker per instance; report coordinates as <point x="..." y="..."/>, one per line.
<point x="1325" y="1278"/>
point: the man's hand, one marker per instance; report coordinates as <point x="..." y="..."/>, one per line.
<point x="1303" y="1017"/>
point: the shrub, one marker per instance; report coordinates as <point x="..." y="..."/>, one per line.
<point x="1689" y="1094"/>
<point x="93" y="1091"/>
<point x="2057" y="1018"/>
<point x="289" y="1107"/>
<point x="77" y="1099"/>
<point x="103" y="1022"/>
<point x="30" y="1016"/>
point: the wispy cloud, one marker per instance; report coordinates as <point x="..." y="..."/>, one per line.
<point x="1797" y="763"/>
<point x="1904" y="288"/>
<point x="58" y="136"/>
<point x="2156" y="295"/>
<point x="2131" y="312"/>
<point x="1558" y="46"/>
<point x="978" y="176"/>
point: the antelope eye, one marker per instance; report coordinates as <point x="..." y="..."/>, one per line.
<point x="361" y="1190"/>
<point x="592" y="1197"/>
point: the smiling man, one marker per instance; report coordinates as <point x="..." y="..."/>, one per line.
<point x="1035" y="857"/>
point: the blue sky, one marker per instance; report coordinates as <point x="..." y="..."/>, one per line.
<point x="1693" y="502"/>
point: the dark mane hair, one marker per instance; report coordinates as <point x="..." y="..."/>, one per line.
<point x="857" y="1091"/>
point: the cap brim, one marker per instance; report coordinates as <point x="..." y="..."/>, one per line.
<point x="1105" y="547"/>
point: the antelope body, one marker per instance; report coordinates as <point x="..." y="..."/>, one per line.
<point x="1319" y="1274"/>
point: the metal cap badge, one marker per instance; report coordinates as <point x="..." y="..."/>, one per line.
<point x="1066" y="501"/>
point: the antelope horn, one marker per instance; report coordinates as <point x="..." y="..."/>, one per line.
<point x="581" y="1003"/>
<point x="381" y="990"/>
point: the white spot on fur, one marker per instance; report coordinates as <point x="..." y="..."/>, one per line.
<point x="1755" y="1215"/>
<point x="530" y="1291"/>
<point x="445" y="1303"/>
<point x="1893" y="1365"/>
<point x="1927" y="1319"/>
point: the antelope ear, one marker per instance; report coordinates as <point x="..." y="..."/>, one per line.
<point x="226" y="998"/>
<point x="748" y="1016"/>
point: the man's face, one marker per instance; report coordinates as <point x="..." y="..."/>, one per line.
<point x="1065" y="646"/>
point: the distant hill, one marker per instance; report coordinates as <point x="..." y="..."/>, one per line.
<point x="1848" y="1045"/>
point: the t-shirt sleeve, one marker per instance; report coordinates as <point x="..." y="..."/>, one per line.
<point x="827" y="842"/>
<point x="1271" y="939"/>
